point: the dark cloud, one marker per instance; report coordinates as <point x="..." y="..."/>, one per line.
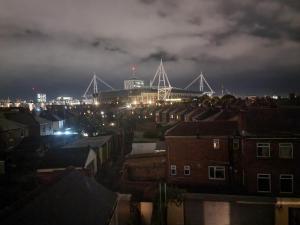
<point x="147" y="1"/>
<point x="157" y="56"/>
<point x="107" y="45"/>
<point x="228" y="40"/>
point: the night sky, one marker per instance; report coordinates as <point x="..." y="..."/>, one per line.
<point x="249" y="46"/>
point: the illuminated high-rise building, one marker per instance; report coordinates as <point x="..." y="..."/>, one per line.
<point x="41" y="98"/>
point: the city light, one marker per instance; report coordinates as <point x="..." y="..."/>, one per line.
<point x="67" y="131"/>
<point x="84" y="134"/>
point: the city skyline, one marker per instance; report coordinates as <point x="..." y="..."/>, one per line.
<point x="251" y="47"/>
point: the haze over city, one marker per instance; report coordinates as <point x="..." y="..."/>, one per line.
<point x="251" y="47"/>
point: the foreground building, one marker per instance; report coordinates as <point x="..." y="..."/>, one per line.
<point x="200" y="154"/>
<point x="256" y="154"/>
<point x="73" y="199"/>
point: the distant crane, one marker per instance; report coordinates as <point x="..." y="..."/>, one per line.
<point x="94" y="82"/>
<point x="163" y="84"/>
<point x="202" y="81"/>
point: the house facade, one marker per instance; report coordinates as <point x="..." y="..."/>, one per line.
<point x="249" y="155"/>
<point x="200" y="154"/>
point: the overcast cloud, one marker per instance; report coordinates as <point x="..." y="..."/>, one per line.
<point x="249" y="46"/>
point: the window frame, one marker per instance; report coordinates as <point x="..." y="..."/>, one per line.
<point x="173" y="168"/>
<point x="215" y="169"/>
<point x="236" y="144"/>
<point x="263" y="143"/>
<point x="216" y="143"/>
<point x="269" y="178"/>
<point x="187" y="168"/>
<point x="285" y="143"/>
<point x="292" y="178"/>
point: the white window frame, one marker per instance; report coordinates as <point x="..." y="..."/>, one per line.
<point x="292" y="147"/>
<point x="291" y="177"/>
<point x="216" y="143"/>
<point x="267" y="145"/>
<point x="215" y="169"/>
<point x="269" y="178"/>
<point x="235" y="142"/>
<point x="173" y="168"/>
<point x="186" y="168"/>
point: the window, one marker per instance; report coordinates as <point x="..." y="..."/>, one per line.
<point x="22" y="133"/>
<point x="173" y="170"/>
<point x="263" y="182"/>
<point x="2" y="167"/>
<point x="216" y="143"/>
<point x="286" y="183"/>
<point x="216" y="172"/>
<point x="236" y="144"/>
<point x="263" y="149"/>
<point x="187" y="170"/>
<point x="286" y="150"/>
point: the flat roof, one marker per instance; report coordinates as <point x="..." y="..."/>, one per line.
<point x="93" y="142"/>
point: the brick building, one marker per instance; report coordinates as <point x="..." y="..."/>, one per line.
<point x="256" y="154"/>
<point x="199" y="154"/>
<point x="270" y="154"/>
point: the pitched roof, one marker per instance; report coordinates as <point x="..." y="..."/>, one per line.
<point x="272" y="120"/>
<point x="6" y="124"/>
<point x="64" y="157"/>
<point x="75" y="199"/>
<point x="50" y="116"/>
<point x="22" y="117"/>
<point x="204" y="128"/>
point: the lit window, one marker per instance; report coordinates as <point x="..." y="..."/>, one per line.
<point x="187" y="170"/>
<point x="216" y="143"/>
<point x="286" y="183"/>
<point x="216" y="172"/>
<point x="286" y="150"/>
<point x="173" y="170"/>
<point x="263" y="182"/>
<point x="236" y="144"/>
<point x="263" y="149"/>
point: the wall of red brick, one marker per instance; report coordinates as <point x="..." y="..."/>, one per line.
<point x="198" y="153"/>
<point x="273" y="165"/>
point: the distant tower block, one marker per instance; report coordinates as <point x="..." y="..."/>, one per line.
<point x="94" y="82"/>
<point x="163" y="84"/>
<point x="202" y="81"/>
<point x="133" y="83"/>
<point x="41" y="98"/>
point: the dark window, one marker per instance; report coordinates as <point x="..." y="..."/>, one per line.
<point x="187" y="170"/>
<point x="216" y="172"/>
<point x="173" y="170"/>
<point x="286" y="183"/>
<point x="263" y="182"/>
<point x="236" y="144"/>
<point x="263" y="149"/>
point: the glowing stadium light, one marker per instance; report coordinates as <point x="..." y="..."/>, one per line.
<point x="68" y="131"/>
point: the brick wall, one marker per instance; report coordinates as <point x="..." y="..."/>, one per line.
<point x="273" y="165"/>
<point x="198" y="153"/>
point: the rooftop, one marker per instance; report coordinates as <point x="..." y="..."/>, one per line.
<point x="204" y="128"/>
<point x="64" y="157"/>
<point x="94" y="142"/>
<point x="75" y="199"/>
